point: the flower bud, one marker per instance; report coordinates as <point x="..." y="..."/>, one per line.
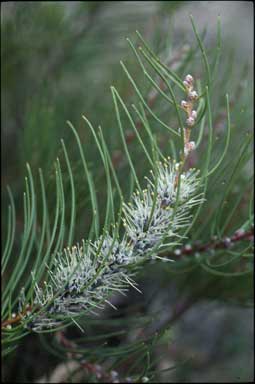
<point x="189" y="79"/>
<point x="192" y="145"/>
<point x="189" y="147"/>
<point x="190" y="121"/>
<point x="193" y="95"/>
<point x="184" y="104"/>
<point x="194" y="114"/>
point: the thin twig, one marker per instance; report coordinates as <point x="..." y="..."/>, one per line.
<point x="224" y="243"/>
<point x="16" y="318"/>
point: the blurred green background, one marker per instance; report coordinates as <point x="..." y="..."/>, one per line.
<point x="58" y="61"/>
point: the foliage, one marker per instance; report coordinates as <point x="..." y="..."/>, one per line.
<point x="90" y="187"/>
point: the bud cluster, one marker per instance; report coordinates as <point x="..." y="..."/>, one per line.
<point x="187" y="106"/>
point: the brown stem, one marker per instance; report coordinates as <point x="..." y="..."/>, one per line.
<point x="213" y="244"/>
<point x="16" y="319"/>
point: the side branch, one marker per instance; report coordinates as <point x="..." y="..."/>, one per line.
<point x="16" y="318"/>
<point x="224" y="243"/>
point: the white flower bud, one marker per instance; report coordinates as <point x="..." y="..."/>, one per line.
<point x="190" y="146"/>
<point x="186" y="84"/>
<point x="193" y="95"/>
<point x="194" y="114"/>
<point x="184" y="104"/>
<point x="189" y="79"/>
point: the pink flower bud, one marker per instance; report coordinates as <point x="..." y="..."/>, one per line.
<point x="239" y="232"/>
<point x="190" y="121"/>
